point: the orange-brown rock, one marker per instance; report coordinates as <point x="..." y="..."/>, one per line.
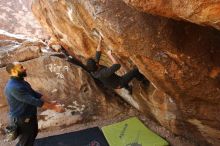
<point x="201" y="12"/>
<point x="177" y="57"/>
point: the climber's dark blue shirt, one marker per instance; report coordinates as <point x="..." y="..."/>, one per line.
<point x="22" y="99"/>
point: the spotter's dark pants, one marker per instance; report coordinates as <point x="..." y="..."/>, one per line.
<point x="27" y="129"/>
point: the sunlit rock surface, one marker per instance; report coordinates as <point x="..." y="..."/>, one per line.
<point x="201" y="12"/>
<point x="180" y="59"/>
<point x="16" y="17"/>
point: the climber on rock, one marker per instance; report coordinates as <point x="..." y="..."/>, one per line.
<point x="107" y="75"/>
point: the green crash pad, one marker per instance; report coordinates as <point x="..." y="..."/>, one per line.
<point x="132" y="132"/>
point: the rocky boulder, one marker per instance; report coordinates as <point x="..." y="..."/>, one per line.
<point x="178" y="58"/>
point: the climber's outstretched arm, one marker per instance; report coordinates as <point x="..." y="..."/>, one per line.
<point x="98" y="50"/>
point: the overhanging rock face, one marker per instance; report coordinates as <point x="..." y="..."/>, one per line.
<point x="178" y="58"/>
<point x="201" y="12"/>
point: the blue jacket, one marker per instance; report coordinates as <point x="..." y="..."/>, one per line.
<point x="22" y="99"/>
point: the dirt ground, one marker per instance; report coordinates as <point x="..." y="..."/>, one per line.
<point x="172" y="139"/>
